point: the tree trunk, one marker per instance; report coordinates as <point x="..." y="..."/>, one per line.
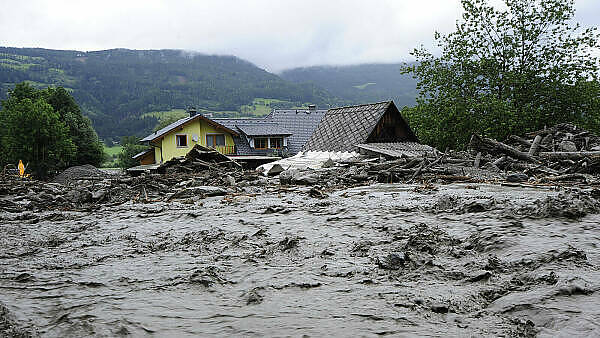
<point x="489" y="145"/>
<point x="575" y="156"/>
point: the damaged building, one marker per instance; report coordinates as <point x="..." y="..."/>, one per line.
<point x="376" y="129"/>
<point x="373" y="129"/>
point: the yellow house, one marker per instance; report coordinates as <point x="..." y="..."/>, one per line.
<point x="178" y="138"/>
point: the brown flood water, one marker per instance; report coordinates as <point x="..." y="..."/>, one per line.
<point x="463" y="260"/>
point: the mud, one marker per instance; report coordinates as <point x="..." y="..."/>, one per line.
<point x="385" y="259"/>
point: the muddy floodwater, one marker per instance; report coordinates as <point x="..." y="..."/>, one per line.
<point x="399" y="260"/>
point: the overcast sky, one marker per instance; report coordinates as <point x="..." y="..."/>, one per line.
<point x="274" y="35"/>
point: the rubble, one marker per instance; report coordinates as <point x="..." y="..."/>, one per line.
<point x="73" y="174"/>
<point x="563" y="154"/>
<point x="203" y="172"/>
<point x="539" y="159"/>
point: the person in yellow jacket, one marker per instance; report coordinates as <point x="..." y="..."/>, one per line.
<point x="21" y="168"/>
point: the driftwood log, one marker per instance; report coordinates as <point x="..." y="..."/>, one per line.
<point x="489" y="145"/>
<point x="566" y="177"/>
<point x="535" y="146"/>
<point x="575" y="156"/>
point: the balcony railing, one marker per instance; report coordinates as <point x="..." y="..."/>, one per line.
<point x="225" y="150"/>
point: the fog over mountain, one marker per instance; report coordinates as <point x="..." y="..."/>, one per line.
<point x="274" y="35"/>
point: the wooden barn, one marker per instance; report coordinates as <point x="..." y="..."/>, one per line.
<point x="376" y="126"/>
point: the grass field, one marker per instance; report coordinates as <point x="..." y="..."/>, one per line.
<point x="260" y="106"/>
<point x="114" y="150"/>
<point x="113" y="156"/>
<point x="175" y="113"/>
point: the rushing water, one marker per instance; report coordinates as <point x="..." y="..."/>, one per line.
<point x="456" y="260"/>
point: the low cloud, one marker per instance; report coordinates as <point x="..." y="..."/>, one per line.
<point x="274" y="34"/>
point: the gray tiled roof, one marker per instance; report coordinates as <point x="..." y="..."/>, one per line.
<point x="262" y="129"/>
<point x="343" y="128"/>
<point x="233" y="123"/>
<point x="298" y="123"/>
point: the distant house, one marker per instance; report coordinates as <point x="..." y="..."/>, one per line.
<point x="377" y="127"/>
<point x="283" y="132"/>
<point x="178" y="138"/>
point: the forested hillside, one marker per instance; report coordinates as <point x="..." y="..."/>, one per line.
<point x="116" y="87"/>
<point x="359" y="83"/>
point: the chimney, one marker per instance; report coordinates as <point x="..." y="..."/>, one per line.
<point x="312" y="108"/>
<point x="192" y="111"/>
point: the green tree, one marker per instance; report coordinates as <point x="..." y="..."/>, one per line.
<point x="34" y="133"/>
<point x="505" y="70"/>
<point x="131" y="147"/>
<point x="89" y="150"/>
<point x="89" y="147"/>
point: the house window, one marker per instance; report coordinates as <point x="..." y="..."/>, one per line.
<point x="260" y="143"/>
<point x="213" y="140"/>
<point x="275" y="142"/>
<point x="181" y="141"/>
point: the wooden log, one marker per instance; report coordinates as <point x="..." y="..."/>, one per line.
<point x="489" y="145"/>
<point x="388" y="165"/>
<point x="454" y="178"/>
<point x="413" y="162"/>
<point x="566" y="177"/>
<point x="456" y="161"/>
<point x="437" y="171"/>
<point x="519" y="140"/>
<point x="418" y="171"/>
<point x="144" y="193"/>
<point x="500" y="162"/>
<point x="535" y="146"/>
<point x="574" y="156"/>
<point x="477" y="160"/>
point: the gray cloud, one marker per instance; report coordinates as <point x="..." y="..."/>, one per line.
<point x="272" y="34"/>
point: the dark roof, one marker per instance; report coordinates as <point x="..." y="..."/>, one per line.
<point x="182" y="122"/>
<point x="262" y="129"/>
<point x="138" y="155"/>
<point x="343" y="128"/>
<point x="298" y="123"/>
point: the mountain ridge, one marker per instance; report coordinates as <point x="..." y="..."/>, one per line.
<point x="119" y="88"/>
<point x="116" y="87"/>
<point x="368" y="82"/>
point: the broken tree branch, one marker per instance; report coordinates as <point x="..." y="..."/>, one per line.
<point x="489" y="145"/>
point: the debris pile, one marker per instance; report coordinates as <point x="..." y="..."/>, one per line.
<point x="199" y="159"/>
<point x="564" y="153"/>
<point x="561" y="153"/>
<point x="76" y="173"/>
<point x="436" y="166"/>
<point x="202" y="173"/>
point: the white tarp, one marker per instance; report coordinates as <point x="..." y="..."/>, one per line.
<point x="309" y="159"/>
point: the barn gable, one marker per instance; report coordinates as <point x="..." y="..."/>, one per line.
<point x="341" y="129"/>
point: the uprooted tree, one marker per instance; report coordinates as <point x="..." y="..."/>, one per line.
<point x="506" y="70"/>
